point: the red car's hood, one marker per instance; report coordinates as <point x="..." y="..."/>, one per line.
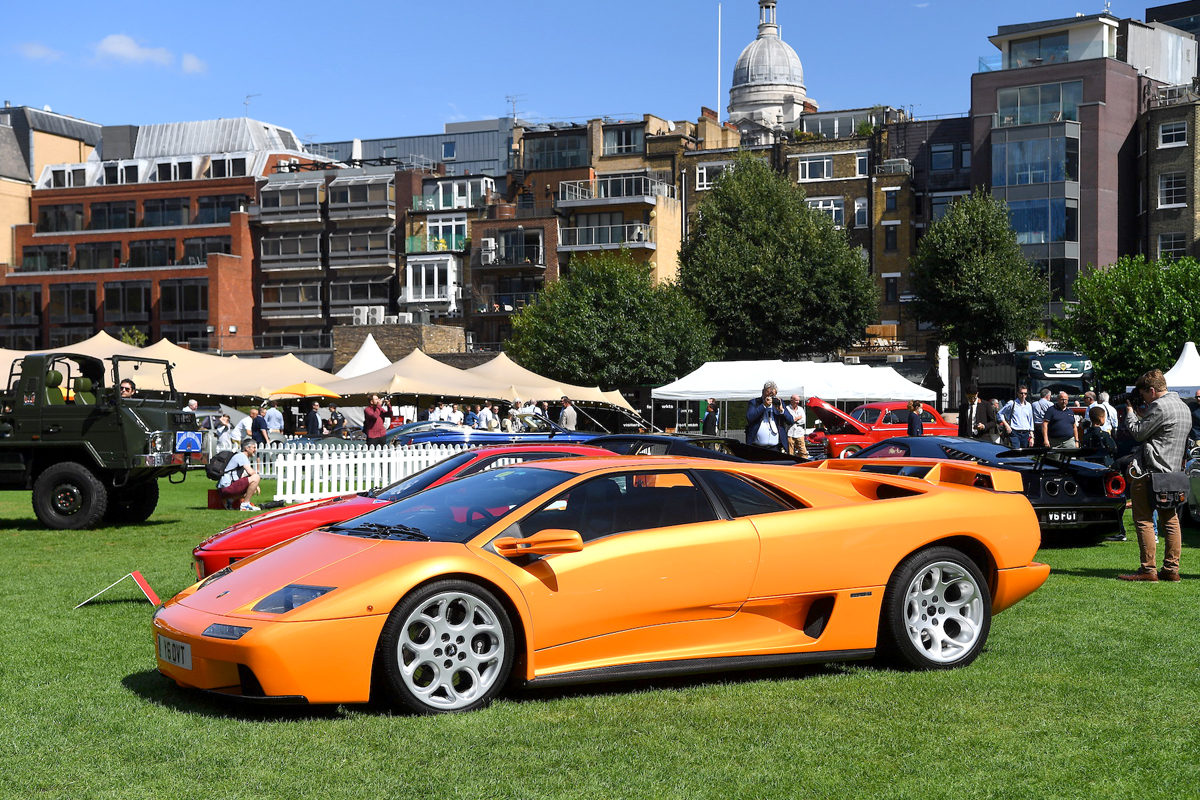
<point x="274" y="527"/>
<point x="833" y="418"/>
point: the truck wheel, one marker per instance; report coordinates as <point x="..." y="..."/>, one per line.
<point x="68" y="496"/>
<point x="133" y="505"/>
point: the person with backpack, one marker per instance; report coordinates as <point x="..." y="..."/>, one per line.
<point x="239" y="479"/>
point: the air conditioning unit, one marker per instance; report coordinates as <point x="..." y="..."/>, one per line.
<point x="360" y="315"/>
<point x="404" y="319"/>
<point x="375" y="315"/>
<point x="489" y="245"/>
<point x="390" y="320"/>
<point x="487" y="257"/>
<point x="460" y="202"/>
<point x="851" y="359"/>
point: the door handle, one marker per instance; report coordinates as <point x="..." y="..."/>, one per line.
<point x="52" y="429"/>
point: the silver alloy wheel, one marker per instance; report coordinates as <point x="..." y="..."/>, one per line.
<point x="943" y="611"/>
<point x="451" y="649"/>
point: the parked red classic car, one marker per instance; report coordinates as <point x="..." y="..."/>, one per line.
<point x="846" y="434"/>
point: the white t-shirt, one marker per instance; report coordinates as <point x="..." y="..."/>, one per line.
<point x="483" y="418"/>
<point x="234" y="469"/>
<point x="456" y="417"/>
<point x="243" y="430"/>
<point x="797" y="430"/>
<point x="768" y="431"/>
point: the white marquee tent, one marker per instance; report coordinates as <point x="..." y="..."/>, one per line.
<point x="831" y="381"/>
<point x="369" y="358"/>
<point x="1184" y="377"/>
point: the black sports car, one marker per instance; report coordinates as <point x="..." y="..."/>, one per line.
<point x="1076" y="501"/>
<point x="658" y="444"/>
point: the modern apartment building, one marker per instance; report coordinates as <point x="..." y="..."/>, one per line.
<point x="480" y="147"/>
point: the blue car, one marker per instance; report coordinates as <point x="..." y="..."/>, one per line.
<point x="526" y="427"/>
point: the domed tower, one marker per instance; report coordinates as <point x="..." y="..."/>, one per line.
<point x="768" y="79"/>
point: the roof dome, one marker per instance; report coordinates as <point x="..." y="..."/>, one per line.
<point x="768" y="59"/>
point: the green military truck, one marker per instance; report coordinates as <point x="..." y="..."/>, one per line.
<point x="89" y="454"/>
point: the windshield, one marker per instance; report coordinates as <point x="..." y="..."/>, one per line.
<point x="426" y="477"/>
<point x="532" y="423"/>
<point x="458" y="510"/>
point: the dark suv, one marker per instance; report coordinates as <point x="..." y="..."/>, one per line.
<point x="89" y="454"/>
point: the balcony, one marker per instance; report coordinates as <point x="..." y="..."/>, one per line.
<point x="434" y="244"/>
<point x="999" y="62"/>
<point x="608" y="237"/>
<point x="613" y="191"/>
<point x="436" y="203"/>
<point x="895" y="166"/>
<point x="426" y="294"/>
<point x="520" y="256"/>
<point x="491" y="303"/>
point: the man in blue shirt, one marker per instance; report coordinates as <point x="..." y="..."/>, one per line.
<point x="1018" y="414"/>
<point x="1059" y="426"/>
<point x="274" y="421"/>
<point x="1039" y="416"/>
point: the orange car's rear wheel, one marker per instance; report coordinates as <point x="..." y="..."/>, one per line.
<point x="937" y="611"/>
<point x="447" y="646"/>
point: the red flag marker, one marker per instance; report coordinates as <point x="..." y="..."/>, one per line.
<point x="138" y="579"/>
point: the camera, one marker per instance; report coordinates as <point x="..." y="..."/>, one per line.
<point x="1126" y="399"/>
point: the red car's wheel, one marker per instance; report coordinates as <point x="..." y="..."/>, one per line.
<point x="937" y="611"/>
<point x="849" y="450"/>
<point x="448" y="646"/>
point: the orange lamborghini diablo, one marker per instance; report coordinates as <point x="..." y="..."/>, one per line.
<point x="600" y="569"/>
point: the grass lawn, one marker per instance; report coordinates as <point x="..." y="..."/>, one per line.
<point x="1089" y="688"/>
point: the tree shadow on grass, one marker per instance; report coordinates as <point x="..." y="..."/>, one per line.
<point x="161" y="691"/>
<point x="1096" y="572"/>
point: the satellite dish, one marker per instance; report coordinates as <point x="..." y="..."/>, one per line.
<point x="45" y="108"/>
<point x="670" y="126"/>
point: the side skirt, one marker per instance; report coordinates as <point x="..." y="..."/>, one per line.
<point x="695" y="666"/>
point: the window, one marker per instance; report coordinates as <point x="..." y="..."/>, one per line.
<point x="346" y="244"/>
<point x="164" y="171"/>
<point x="46" y="258"/>
<point x="20" y="338"/>
<point x="618" y="141"/>
<point x="1172" y="245"/>
<point x="889" y="237"/>
<point x="556" y="151"/>
<point x="195" y="335"/>
<point x="64" y="337"/>
<point x="1044" y="221"/>
<point x="183" y="299"/>
<point x="169" y="171"/>
<point x="1029" y="105"/>
<point x="73" y="302"/>
<point x="1060" y="274"/>
<point x="834" y="207"/>
<point x="54" y="219"/>
<point x="615" y="504"/>
<point x="1019" y="163"/>
<point x="815" y="168"/>
<point x="152" y="253"/>
<point x="300" y="248"/>
<point x="114" y="216"/>
<point x="891" y="290"/>
<point x="292" y="295"/>
<point x="98" y="255"/>
<point x="195" y="251"/>
<point x="1051" y="48"/>
<point x="860" y="165"/>
<point x="860" y="212"/>
<point x="110" y="175"/>
<point x="1172" y="134"/>
<point x="707" y="174"/>
<point x="743" y="498"/>
<point x="448" y="151"/>
<point x="447" y="233"/>
<point x="164" y="213"/>
<point x="127" y="301"/>
<point x="1172" y="189"/>
<point x="215" y="209"/>
<point x="226" y="168"/>
<point x="183" y="171"/>
<point x="289" y="198"/>
<point x="941" y="157"/>
<point x="429" y="280"/>
<point x="939" y="204"/>
<point x="381" y="191"/>
<point x="129" y="174"/>
<point x="889" y="200"/>
<point x="376" y="291"/>
<point x="21" y="304"/>
<point x="964" y="156"/>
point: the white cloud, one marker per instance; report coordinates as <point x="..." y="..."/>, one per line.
<point x="921" y="5"/>
<point x="36" y="51"/>
<point x="193" y="65"/>
<point x="122" y="48"/>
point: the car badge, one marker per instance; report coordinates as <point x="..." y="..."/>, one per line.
<point x="1062" y="366"/>
<point x="222" y="594"/>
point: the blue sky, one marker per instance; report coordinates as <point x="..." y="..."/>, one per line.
<point x="334" y="71"/>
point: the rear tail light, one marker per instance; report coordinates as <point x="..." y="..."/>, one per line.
<point x="1114" y="484"/>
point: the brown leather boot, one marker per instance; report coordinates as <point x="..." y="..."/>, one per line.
<point x="1140" y="575"/>
<point x="1169" y="575"/>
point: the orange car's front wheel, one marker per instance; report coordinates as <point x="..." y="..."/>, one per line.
<point x="447" y="646"/>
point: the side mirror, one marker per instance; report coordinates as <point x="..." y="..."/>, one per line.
<point x="542" y="543"/>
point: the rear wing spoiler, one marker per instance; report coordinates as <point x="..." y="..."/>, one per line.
<point x="931" y="470"/>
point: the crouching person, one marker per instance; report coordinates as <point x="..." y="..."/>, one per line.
<point x="240" y="481"/>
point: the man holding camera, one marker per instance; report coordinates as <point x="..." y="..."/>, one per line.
<point x="766" y="423"/>
<point x="1161" y="422"/>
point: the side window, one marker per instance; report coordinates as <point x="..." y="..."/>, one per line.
<point x="926" y="416"/>
<point x="619" y="503"/>
<point x="653" y="449"/>
<point x="868" y="416"/>
<point x="893" y="418"/>
<point x="742" y="498"/>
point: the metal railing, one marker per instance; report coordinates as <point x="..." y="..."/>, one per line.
<point x="1036" y="116"/>
<point x="632" y="186"/>
<point x="502" y="302"/>
<point x="633" y="233"/>
<point x="434" y="244"/>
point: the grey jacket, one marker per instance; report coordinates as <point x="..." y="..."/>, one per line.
<point x="1163" y="433"/>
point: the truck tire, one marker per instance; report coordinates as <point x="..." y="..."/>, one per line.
<point x="133" y="505"/>
<point x="68" y="496"/>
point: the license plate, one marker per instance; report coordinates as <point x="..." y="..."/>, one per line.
<point x="173" y="652"/>
<point x="1062" y="516"/>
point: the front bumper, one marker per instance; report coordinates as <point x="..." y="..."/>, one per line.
<point x="327" y="661"/>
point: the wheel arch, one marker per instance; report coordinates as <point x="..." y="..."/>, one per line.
<point x="85" y="457"/>
<point x="971" y="547"/>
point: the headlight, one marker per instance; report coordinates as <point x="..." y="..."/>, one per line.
<point x="219" y="631"/>
<point x="216" y="576"/>
<point x="156" y="440"/>
<point x="289" y="597"/>
<point x="1036" y="365"/>
<point x="1087" y="365"/>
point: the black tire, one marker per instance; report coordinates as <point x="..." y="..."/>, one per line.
<point x="447" y="646"/>
<point x="68" y="496"/>
<point x="133" y="505"/>
<point x="937" y="611"/>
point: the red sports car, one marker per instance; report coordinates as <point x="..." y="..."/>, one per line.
<point x="258" y="533"/>
<point x="846" y="434"/>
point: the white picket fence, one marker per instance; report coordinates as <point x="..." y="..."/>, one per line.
<point x="267" y="457"/>
<point x="313" y="472"/>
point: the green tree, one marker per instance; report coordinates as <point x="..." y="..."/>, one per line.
<point x="973" y="283"/>
<point x="1134" y="316"/>
<point x="775" y="277"/>
<point x="133" y="336"/>
<point x="606" y="322"/>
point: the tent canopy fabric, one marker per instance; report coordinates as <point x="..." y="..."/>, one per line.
<point x="830" y="380"/>
<point x="369" y="358"/>
<point x="1184" y="377"/>
<point x="418" y="374"/>
<point x="530" y="385"/>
